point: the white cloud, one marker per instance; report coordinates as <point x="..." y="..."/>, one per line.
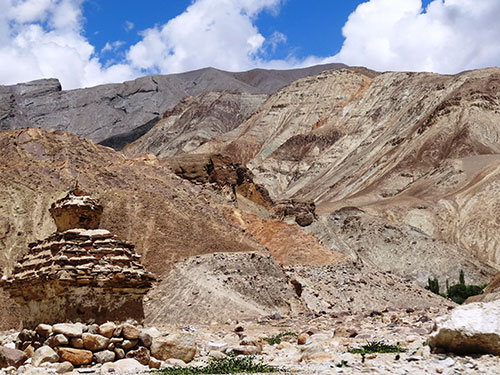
<point x="219" y="33"/>
<point x="112" y="46"/>
<point x="128" y="25"/>
<point x="43" y="38"/>
<point x="447" y="37"/>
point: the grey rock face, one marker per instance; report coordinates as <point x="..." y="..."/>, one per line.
<point x="127" y="110"/>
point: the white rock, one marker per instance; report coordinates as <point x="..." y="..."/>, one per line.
<point x="44" y="354"/>
<point x="69" y="330"/>
<point x="472" y="328"/>
<point x="127" y="365"/>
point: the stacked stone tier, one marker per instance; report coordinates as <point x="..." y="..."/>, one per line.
<point x="80" y="257"/>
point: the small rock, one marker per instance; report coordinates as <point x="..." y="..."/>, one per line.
<point x="76" y="342"/>
<point x="302" y="338"/>
<point x="448" y="362"/>
<point x="107" y="329"/>
<point x="94" y="342"/>
<point x="180" y="346"/>
<point x="44" y="330"/>
<point x="118" y="331"/>
<point x="174" y="362"/>
<point x="141" y="355"/>
<point x="146" y="339"/>
<point x="104" y="356"/>
<point x="29" y="350"/>
<point x="128" y="344"/>
<point x="120" y="353"/>
<point x="11" y="357"/>
<point x="56" y="340"/>
<point x="93" y="328"/>
<point x="130" y="332"/>
<point x="154" y="363"/>
<point x="64" y="367"/>
<point x="243" y="350"/>
<point x="77" y="357"/>
<point x="311" y="352"/>
<point x="218" y="346"/>
<point x="44" y="354"/>
<point x="68" y="330"/>
<point x="123" y="366"/>
<point x="216" y="355"/>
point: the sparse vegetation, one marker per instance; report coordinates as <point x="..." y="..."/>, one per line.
<point x="377" y="347"/>
<point x="458" y="293"/>
<point x="277" y="339"/>
<point x="342" y="363"/>
<point x="228" y="365"/>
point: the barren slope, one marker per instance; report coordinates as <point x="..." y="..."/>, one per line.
<point x="416" y="151"/>
<point x="166" y="217"/>
<point x="194" y="121"/>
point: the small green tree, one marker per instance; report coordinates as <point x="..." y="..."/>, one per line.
<point x="461" y="278"/>
<point x="433" y="285"/>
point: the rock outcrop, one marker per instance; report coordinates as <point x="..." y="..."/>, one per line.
<point x="80" y="273"/>
<point x="469" y="329"/>
<point x="117" y="114"/>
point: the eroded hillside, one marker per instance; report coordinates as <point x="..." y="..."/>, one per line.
<point x="418" y="154"/>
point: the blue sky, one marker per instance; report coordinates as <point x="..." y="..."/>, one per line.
<point x="311" y="27"/>
<point x="89" y="42"/>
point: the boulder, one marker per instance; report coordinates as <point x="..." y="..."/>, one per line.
<point x="94" y="342"/>
<point x="77" y="357"/>
<point x="469" y="329"/>
<point x="11" y="357"/>
<point x="179" y="346"/>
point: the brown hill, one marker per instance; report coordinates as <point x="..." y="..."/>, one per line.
<point x="166" y="217"/>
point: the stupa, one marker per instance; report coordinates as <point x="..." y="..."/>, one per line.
<point x="80" y="273"/>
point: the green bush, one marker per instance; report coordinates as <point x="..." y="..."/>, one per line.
<point x="229" y="365"/>
<point x="377" y="347"/>
<point x="458" y="293"/>
<point x="277" y="339"/>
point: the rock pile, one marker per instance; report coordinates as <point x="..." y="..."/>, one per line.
<point x="79" y="274"/>
<point x="87" y="344"/>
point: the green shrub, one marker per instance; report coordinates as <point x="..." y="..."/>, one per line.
<point x="458" y="293"/>
<point x="377" y="347"/>
<point x="277" y="339"/>
<point x="229" y="365"/>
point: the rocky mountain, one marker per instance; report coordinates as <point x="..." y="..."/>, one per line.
<point x="196" y="120"/>
<point x="117" y="114"/>
<point x="403" y="168"/>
